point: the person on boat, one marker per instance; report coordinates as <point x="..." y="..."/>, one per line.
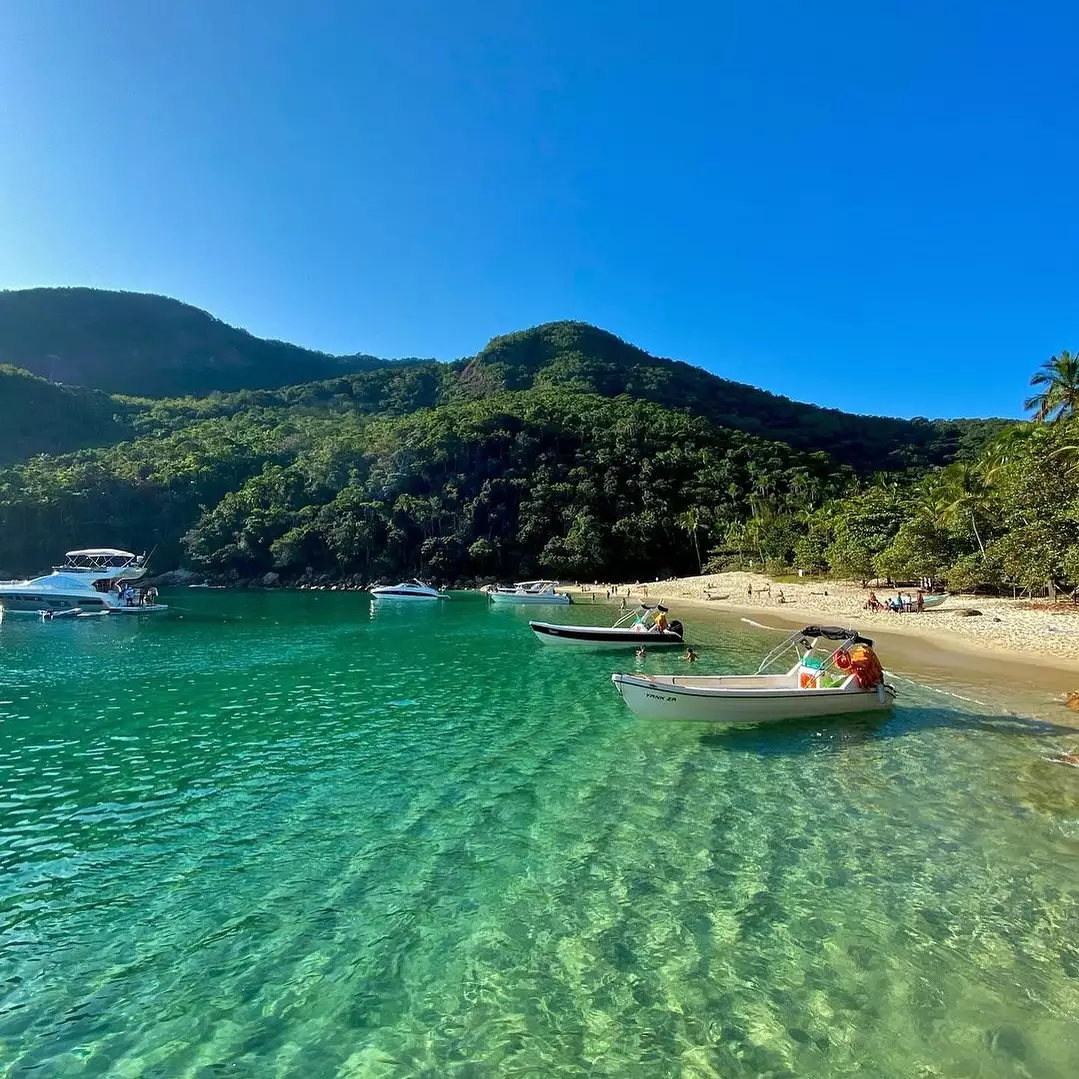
<point x="661" y="622"/>
<point x="690" y="656"/>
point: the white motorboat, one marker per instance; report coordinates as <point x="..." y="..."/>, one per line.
<point x="406" y="590"/>
<point x="540" y="592"/>
<point x="644" y="628"/>
<point x="98" y="580"/>
<point x="836" y="673"/>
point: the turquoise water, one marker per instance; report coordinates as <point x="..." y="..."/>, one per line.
<point x="295" y="835"/>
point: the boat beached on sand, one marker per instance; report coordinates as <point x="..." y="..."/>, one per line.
<point x="527" y="592"/>
<point x="98" y="580"/>
<point x="406" y="590"/>
<point x="647" y="628"/>
<point x="836" y="673"/>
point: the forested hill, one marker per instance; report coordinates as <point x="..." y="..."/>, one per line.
<point x="561" y="450"/>
<point x="38" y="416"/>
<point x="153" y="346"/>
<point x="576" y="356"/>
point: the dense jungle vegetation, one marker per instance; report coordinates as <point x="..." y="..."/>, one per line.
<point x="560" y="450"/>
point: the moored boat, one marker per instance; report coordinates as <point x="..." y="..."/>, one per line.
<point x="934" y="601"/>
<point x="645" y="628"/>
<point x="529" y="592"/>
<point x="96" y="580"/>
<point x="836" y="673"/>
<point x="406" y="590"/>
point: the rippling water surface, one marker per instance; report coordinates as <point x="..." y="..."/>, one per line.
<point x="298" y="835"/>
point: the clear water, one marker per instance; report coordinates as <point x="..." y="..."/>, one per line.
<point x="293" y="835"/>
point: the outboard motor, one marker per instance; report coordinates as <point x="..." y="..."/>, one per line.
<point x="675" y="627"/>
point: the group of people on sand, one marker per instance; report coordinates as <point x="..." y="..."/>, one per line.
<point x="897" y="605"/>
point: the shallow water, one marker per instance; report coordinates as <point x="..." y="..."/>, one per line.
<point x="298" y="835"/>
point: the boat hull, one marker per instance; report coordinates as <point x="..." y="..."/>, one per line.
<point x="35" y="602"/>
<point x="651" y="699"/>
<point x="604" y="637"/>
<point x="541" y="599"/>
<point x="405" y="597"/>
<point x="933" y="601"/>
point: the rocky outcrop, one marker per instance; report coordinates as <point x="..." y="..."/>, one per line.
<point x="175" y="578"/>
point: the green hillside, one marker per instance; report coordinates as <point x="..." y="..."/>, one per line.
<point x="151" y="346"/>
<point x="560" y="450"/>
<point x="136" y="343"/>
<point x="37" y="416"/>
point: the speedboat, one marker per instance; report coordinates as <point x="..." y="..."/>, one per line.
<point x="406" y="590"/>
<point x="529" y="592"/>
<point x="645" y="628"/>
<point x="98" y="580"/>
<point x="836" y="673"/>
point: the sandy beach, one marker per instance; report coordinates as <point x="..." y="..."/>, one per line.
<point x="1006" y="628"/>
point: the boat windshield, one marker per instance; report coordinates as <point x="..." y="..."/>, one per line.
<point x="814" y="646"/>
<point x="647" y="616"/>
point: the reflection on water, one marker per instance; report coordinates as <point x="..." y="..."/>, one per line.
<point x="290" y="835"/>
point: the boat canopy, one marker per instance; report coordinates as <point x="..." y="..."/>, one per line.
<point x="835" y="633"/>
<point x="99" y="552"/>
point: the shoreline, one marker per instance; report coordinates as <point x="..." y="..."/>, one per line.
<point x="1038" y="648"/>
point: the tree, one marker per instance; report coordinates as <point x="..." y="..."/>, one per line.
<point x="690" y="521"/>
<point x="1059" y="395"/>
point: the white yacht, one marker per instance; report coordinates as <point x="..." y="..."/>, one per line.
<point x="529" y="592"/>
<point x="406" y="590"/>
<point x="98" y="580"/>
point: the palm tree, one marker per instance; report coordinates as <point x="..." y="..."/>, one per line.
<point x="962" y="496"/>
<point x="1059" y="396"/>
<point x="690" y="521"/>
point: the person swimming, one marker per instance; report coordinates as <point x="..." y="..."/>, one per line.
<point x="641" y="653"/>
<point x="690" y="656"/>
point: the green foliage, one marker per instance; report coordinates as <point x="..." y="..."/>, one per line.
<point x="1058" y="396"/>
<point x="130" y="342"/>
<point x="560" y="451"/>
<point x="37" y="416"/>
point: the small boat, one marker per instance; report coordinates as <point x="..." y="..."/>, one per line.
<point x="406" y="590"/>
<point x="934" y="601"/>
<point x="49" y="615"/>
<point x="645" y="628"/>
<point x="529" y="592"/>
<point x="836" y="673"/>
<point x="96" y="580"/>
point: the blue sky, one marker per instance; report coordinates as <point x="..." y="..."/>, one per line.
<point x="873" y="206"/>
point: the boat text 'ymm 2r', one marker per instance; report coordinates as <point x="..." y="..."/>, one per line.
<point x="97" y="580"/>
<point x="836" y="673"/>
